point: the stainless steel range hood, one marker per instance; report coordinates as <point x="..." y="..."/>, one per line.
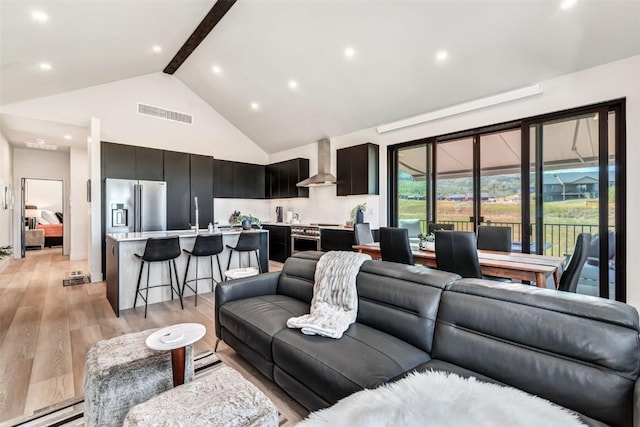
<point x="323" y="177"/>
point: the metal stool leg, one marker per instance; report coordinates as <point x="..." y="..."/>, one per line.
<point x="177" y="280"/>
<point x="184" y="282"/>
<point x="146" y="299"/>
<point x="219" y="268"/>
<point x="171" y="280"/>
<point x="229" y="263"/>
<point x="258" y="261"/>
<point x="196" y="291"/>
<point x="138" y="286"/>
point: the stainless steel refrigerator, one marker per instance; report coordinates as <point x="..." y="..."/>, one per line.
<point x="132" y="205"/>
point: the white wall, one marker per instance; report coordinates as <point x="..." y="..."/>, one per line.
<point x="78" y="207"/>
<point x="6" y="178"/>
<point x="45" y="194"/>
<point x="115" y="104"/>
<point x="31" y="163"/>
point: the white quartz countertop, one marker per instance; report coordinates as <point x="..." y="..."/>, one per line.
<point x="330" y="226"/>
<point x="124" y="237"/>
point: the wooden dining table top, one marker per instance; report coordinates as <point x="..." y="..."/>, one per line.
<point x="513" y="265"/>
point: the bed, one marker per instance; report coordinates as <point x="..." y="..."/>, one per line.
<point x="52" y="234"/>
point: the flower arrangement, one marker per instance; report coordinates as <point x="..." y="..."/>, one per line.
<point x="358" y="208"/>
<point x="427" y="241"/>
<point x="427" y="237"/>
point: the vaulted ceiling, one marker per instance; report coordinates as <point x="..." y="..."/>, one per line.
<point x="260" y="46"/>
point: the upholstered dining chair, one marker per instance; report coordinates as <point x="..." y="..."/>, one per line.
<point x="493" y="238"/>
<point x="362" y="234"/>
<point x="570" y="276"/>
<point x="413" y="228"/>
<point x="432" y="227"/>
<point x="394" y="245"/>
<point x="456" y="253"/>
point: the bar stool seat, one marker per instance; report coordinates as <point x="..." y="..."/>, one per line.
<point x="249" y="241"/>
<point x="159" y="249"/>
<point x="206" y="245"/>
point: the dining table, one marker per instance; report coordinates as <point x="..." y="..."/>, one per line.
<point x="512" y="265"/>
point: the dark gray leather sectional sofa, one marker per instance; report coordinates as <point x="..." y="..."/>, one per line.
<point x="582" y="353"/>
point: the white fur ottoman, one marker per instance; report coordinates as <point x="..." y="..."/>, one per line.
<point x="122" y="372"/>
<point x="222" y="398"/>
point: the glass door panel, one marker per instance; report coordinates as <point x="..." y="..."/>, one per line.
<point x="412" y="185"/>
<point x="567" y="192"/>
<point x="500" y="183"/>
<point x="454" y="184"/>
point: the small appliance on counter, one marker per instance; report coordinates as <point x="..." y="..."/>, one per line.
<point x="289" y="216"/>
<point x="279" y="212"/>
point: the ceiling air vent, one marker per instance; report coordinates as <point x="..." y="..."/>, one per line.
<point x="163" y="113"/>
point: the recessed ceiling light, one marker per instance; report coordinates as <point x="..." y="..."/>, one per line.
<point x="44" y="66"/>
<point x="39" y="16"/>
<point x="255" y="106"/>
<point x="349" y="52"/>
<point x="157" y="49"/>
<point x="67" y="137"/>
<point x="216" y="69"/>
<point x="567" y="4"/>
<point x="293" y="84"/>
<point x="441" y="55"/>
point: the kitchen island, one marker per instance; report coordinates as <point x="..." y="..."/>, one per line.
<point x="123" y="267"/>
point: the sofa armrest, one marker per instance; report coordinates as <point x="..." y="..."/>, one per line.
<point x="262" y="284"/>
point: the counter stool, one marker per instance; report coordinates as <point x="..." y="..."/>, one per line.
<point x="249" y="241"/>
<point x="206" y="245"/>
<point x="159" y="249"/>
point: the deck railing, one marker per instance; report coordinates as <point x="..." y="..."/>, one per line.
<point x="560" y="239"/>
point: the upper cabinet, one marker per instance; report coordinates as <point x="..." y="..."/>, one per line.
<point x="357" y="170"/>
<point x="129" y="162"/>
<point x="281" y="179"/>
<point x="238" y="180"/>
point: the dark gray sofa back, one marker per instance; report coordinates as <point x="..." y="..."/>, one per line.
<point x="580" y="352"/>
<point x="297" y="276"/>
<point x="401" y="300"/>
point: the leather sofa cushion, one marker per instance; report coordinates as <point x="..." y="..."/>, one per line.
<point x="401" y="300"/>
<point x="363" y="358"/>
<point x="577" y="351"/>
<point x="255" y="321"/>
<point x="298" y="275"/>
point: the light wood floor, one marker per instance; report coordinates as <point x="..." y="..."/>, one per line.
<point x="46" y="330"/>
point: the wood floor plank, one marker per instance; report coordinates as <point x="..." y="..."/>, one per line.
<point x="46" y="330"/>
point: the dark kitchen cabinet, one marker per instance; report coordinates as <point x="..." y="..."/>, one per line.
<point x="130" y="162"/>
<point x="201" y="176"/>
<point x="149" y="164"/>
<point x="332" y="239"/>
<point x="279" y="242"/>
<point x="176" y="174"/>
<point x="357" y="170"/>
<point x="281" y="179"/>
<point x="118" y="161"/>
<point x="238" y="180"/>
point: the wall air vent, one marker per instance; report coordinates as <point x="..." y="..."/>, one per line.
<point x="163" y="113"/>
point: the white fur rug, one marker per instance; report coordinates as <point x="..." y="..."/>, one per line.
<point x="441" y="399"/>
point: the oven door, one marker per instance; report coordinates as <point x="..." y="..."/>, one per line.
<point x="304" y="243"/>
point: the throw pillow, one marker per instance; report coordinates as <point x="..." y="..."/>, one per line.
<point x="59" y="215"/>
<point x="50" y="217"/>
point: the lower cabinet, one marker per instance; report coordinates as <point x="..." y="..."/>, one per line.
<point x="332" y="239"/>
<point x="279" y="242"/>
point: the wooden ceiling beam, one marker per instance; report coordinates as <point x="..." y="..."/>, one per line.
<point x="219" y="9"/>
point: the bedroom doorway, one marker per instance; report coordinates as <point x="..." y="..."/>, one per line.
<point x="42" y="214"/>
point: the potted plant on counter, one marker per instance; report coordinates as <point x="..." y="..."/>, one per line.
<point x="246" y="220"/>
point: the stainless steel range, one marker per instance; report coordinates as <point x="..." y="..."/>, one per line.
<point x="305" y="238"/>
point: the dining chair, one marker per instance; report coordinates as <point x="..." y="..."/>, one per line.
<point x="456" y="253"/>
<point x="493" y="238"/>
<point x="394" y="245"/>
<point x="362" y="234"/>
<point x="570" y="276"/>
<point x="435" y="227"/>
<point x="413" y="228"/>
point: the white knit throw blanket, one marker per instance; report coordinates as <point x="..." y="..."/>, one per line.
<point x="335" y="300"/>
